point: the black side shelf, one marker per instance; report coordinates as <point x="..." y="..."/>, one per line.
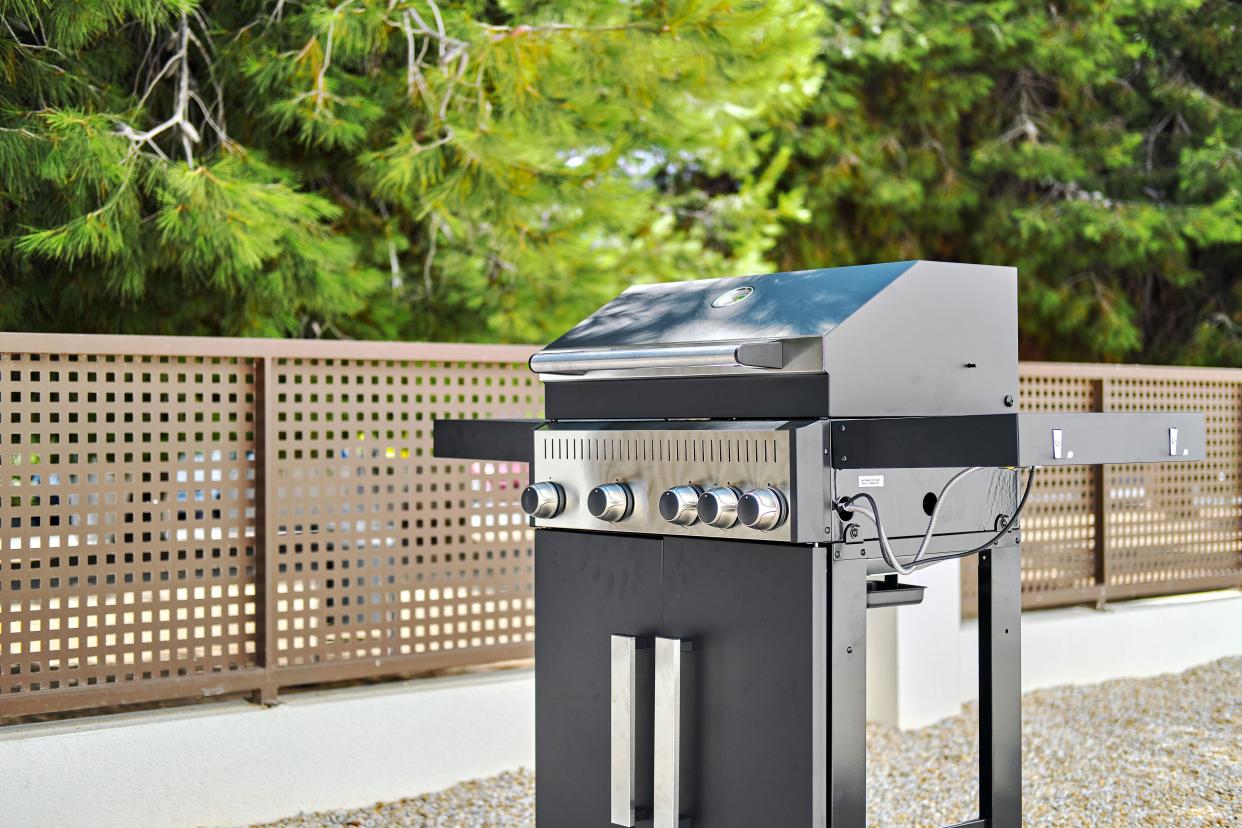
<point x="511" y="440"/>
<point x="925" y="442"/>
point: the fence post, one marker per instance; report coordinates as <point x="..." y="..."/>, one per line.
<point x="265" y="527"/>
<point x="1101" y="484"/>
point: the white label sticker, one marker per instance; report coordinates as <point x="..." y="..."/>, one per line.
<point x="870" y="481"/>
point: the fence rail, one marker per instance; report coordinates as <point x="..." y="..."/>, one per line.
<point x="190" y="517"/>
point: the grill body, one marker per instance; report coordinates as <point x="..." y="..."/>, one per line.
<point x="702" y="585"/>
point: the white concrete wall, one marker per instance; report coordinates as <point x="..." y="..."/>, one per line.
<point x="1127" y="640"/>
<point x="235" y="763"/>
<point x="913" y="653"/>
<point x="923" y="662"/>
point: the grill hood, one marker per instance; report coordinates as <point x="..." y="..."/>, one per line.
<point x="939" y="337"/>
<point x="777" y="305"/>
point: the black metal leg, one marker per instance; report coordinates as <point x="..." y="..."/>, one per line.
<point x="1000" y="687"/>
<point x="848" y="694"/>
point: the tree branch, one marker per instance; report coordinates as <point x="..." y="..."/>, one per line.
<point x="321" y="80"/>
<point x="180" y="117"/>
<point x="414" y="80"/>
<point x="431" y="253"/>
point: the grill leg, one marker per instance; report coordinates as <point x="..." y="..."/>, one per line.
<point x="848" y="693"/>
<point x="1000" y="687"/>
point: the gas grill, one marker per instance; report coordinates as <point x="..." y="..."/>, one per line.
<point x="730" y="473"/>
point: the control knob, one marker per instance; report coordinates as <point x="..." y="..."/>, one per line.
<point x="763" y="509"/>
<point x="543" y="500"/>
<point x="718" y="507"/>
<point x="680" y="505"/>
<point x="612" y="502"/>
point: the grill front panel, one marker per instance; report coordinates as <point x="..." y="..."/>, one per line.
<point x="653" y="460"/>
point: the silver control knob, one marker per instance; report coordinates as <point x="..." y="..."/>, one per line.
<point x="612" y="502"/>
<point x="763" y="509"/>
<point x="718" y="507"/>
<point x="543" y="500"/>
<point x="680" y="505"/>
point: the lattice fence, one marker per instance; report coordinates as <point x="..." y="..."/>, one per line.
<point x="195" y="517"/>
<point x="128" y="509"/>
<point x="188" y="517"/>
<point x="384" y="555"/>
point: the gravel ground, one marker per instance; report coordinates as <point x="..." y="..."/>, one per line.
<point x="505" y="801"/>
<point x="1164" y="752"/>
<point x="1151" y="752"/>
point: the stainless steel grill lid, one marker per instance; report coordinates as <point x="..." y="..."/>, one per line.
<point x="736" y="309"/>
<point x="902" y="338"/>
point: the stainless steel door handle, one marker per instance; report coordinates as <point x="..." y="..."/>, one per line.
<point x="624" y="704"/>
<point x="669" y="656"/>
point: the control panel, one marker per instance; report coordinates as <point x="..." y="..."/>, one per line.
<point x="725" y="479"/>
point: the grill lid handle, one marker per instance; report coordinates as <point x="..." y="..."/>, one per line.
<point x="767" y="354"/>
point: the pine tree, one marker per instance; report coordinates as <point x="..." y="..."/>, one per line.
<point x="1095" y="145"/>
<point x="384" y="168"/>
<point x="495" y="170"/>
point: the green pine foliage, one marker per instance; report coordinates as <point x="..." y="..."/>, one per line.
<point x="495" y="169"/>
<point x="1095" y="144"/>
<point x="380" y="168"/>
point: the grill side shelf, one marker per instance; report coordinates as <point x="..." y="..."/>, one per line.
<point x="511" y="440"/>
<point x="1069" y="439"/>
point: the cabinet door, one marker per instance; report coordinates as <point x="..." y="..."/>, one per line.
<point x="754" y="700"/>
<point x="588" y="587"/>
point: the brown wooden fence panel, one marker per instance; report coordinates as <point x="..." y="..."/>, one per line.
<point x="385" y="558"/>
<point x="128" y="507"/>
<point x="1174" y="525"/>
<point x="191" y="517"/>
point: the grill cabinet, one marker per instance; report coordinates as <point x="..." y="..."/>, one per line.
<point x="701" y="590"/>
